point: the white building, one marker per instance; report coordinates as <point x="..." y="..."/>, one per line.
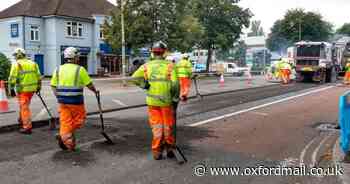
<point x="44" y="28"/>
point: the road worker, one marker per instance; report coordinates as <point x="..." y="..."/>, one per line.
<point x="159" y="78"/>
<point x="184" y="72"/>
<point x="68" y="82"/>
<point x="25" y="80"/>
<point x="347" y="73"/>
<point x="286" y="71"/>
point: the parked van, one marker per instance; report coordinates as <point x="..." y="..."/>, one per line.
<point x="228" y="69"/>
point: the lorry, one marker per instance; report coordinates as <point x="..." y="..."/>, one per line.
<point x="314" y="61"/>
<point x="341" y="54"/>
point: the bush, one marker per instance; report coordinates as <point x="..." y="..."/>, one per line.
<point x="5" y="66"/>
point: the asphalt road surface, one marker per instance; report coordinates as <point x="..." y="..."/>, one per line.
<point x="266" y="127"/>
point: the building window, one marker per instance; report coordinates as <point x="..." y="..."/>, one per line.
<point x="102" y="35"/>
<point x="34" y="33"/>
<point x="14" y="30"/>
<point x="74" y="29"/>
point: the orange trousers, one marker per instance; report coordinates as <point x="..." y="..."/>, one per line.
<point x="25" y="114"/>
<point x="161" y="120"/>
<point x="285" y="75"/>
<point x="347" y="77"/>
<point x="72" y="117"/>
<point x="185" y="85"/>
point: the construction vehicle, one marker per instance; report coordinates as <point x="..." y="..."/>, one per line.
<point x="314" y="61"/>
<point x="341" y="54"/>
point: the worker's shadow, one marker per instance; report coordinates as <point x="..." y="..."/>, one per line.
<point x="135" y="136"/>
<point x="79" y="158"/>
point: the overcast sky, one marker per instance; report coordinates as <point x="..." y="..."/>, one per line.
<point x="268" y="11"/>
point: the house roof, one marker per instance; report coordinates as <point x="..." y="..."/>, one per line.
<point x="71" y="8"/>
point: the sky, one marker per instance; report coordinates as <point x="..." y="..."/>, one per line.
<point x="268" y="11"/>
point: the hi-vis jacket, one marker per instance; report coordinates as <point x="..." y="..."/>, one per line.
<point x="69" y="81"/>
<point x="162" y="78"/>
<point x="184" y="68"/>
<point x="25" y="76"/>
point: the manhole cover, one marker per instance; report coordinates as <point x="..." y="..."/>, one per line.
<point x="327" y="127"/>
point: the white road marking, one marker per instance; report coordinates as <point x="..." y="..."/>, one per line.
<point x="258" y="107"/>
<point x="260" y="113"/>
<point x="119" y="102"/>
<point x="40" y="114"/>
<point x="303" y="152"/>
<point x="314" y="154"/>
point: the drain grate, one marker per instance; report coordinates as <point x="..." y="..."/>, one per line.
<point x="328" y="127"/>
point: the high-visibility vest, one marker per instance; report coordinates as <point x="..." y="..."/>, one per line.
<point x="68" y="89"/>
<point x="347" y="67"/>
<point x="184" y="68"/>
<point x="25" y="75"/>
<point x="162" y="79"/>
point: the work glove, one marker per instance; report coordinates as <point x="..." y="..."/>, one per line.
<point x="147" y="85"/>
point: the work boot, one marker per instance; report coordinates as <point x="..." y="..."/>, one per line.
<point x="25" y="131"/>
<point x="60" y="142"/>
<point x="170" y="153"/>
<point x="157" y="156"/>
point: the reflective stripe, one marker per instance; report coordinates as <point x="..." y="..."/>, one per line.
<point x="22" y="72"/>
<point x="27" y="85"/>
<point x="159" y="97"/>
<point x="158" y="126"/>
<point x="70" y="93"/>
<point x="159" y="80"/>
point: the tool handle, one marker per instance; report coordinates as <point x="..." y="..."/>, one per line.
<point x="45" y="105"/>
<point x="98" y="97"/>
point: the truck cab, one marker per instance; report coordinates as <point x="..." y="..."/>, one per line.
<point x="314" y="62"/>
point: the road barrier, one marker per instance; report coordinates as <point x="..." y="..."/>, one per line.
<point x="344" y="121"/>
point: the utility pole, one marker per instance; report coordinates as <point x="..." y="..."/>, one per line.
<point x="300" y="29"/>
<point x="123" y="42"/>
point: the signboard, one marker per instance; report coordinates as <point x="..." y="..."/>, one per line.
<point x="14" y="30"/>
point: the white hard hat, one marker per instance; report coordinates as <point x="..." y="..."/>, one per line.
<point x="185" y="56"/>
<point x="70" y="53"/>
<point x="19" y="51"/>
<point x="169" y="58"/>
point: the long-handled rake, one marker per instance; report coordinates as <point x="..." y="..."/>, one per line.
<point x="52" y="120"/>
<point x="103" y="133"/>
<point x="180" y="157"/>
<point x="198" y="95"/>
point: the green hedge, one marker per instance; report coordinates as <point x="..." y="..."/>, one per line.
<point x="5" y="66"/>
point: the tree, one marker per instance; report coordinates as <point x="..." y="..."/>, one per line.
<point x="5" y="66"/>
<point x="298" y="25"/>
<point x="223" y="22"/>
<point x="345" y="29"/>
<point x="256" y="29"/>
<point x="147" y="21"/>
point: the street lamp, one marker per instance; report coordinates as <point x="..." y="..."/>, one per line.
<point x="123" y="42"/>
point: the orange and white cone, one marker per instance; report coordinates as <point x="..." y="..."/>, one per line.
<point x="4" y="104"/>
<point x="250" y="78"/>
<point x="222" y="80"/>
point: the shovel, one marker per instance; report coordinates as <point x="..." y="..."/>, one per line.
<point x="196" y="87"/>
<point x="52" y="119"/>
<point x="103" y="133"/>
<point x="180" y="157"/>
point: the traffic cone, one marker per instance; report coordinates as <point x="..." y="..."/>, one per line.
<point x="250" y="78"/>
<point x="222" y="80"/>
<point x="4" y="104"/>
